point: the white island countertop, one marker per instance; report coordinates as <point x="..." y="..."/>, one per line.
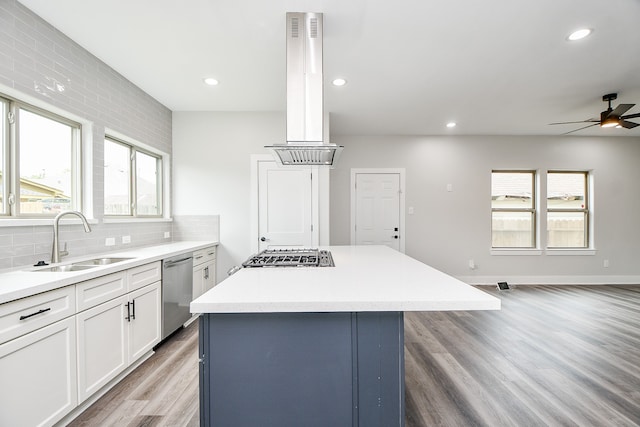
<point x="365" y="278"/>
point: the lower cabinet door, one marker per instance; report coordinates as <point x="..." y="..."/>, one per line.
<point x="102" y="345"/>
<point x="144" y="328"/>
<point x="38" y="376"/>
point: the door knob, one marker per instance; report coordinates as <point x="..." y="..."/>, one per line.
<point x="263" y="239"/>
<point x="395" y="237"/>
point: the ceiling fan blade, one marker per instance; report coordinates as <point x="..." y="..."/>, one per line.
<point x="630" y="116"/>
<point x="621" y="109"/>
<point x="581" y="121"/>
<point x="576" y="130"/>
<point x="628" y="125"/>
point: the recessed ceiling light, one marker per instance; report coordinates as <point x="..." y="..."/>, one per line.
<point x="579" y="34"/>
<point x="339" y="82"/>
<point x="451" y="124"/>
<point x="210" y="81"/>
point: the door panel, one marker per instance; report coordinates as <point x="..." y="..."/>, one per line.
<point x="378" y="209"/>
<point x="284" y="206"/>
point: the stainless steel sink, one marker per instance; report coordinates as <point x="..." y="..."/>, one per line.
<point x="100" y="261"/>
<point x="67" y="267"/>
<point x="83" y="265"/>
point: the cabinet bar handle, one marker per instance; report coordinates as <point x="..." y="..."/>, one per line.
<point x="44" y="310"/>
<point x="133" y="304"/>
<point x="128" y="318"/>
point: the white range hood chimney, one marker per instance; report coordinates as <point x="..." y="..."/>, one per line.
<point x="305" y="106"/>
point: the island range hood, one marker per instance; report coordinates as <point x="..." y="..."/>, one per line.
<point x="305" y="105"/>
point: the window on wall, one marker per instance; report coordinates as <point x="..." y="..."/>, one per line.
<point x="567" y="209"/>
<point x="133" y="180"/>
<point x="40" y="162"/>
<point x="513" y="209"/>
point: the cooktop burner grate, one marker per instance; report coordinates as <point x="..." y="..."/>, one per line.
<point x="291" y="258"/>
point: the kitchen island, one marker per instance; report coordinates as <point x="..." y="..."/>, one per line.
<point x="318" y="346"/>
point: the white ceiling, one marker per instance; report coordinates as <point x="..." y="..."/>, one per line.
<point x="493" y="66"/>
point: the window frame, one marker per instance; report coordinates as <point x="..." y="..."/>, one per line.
<point x="134" y="148"/>
<point x="11" y="156"/>
<point x="533" y="210"/>
<point x="586" y="211"/>
<point x="5" y="144"/>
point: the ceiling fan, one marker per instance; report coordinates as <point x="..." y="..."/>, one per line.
<point x="610" y="117"/>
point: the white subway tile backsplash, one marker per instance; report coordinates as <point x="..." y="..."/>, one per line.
<point x="33" y="55"/>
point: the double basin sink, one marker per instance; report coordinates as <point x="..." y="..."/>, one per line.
<point x="83" y="265"/>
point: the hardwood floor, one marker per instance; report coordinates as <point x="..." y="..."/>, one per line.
<point x="553" y="356"/>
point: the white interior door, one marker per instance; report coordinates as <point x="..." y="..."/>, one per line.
<point x="284" y="206"/>
<point x="377" y="209"/>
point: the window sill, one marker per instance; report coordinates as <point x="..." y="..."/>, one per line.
<point x="516" y="252"/>
<point x="30" y="222"/>
<point x="570" y="252"/>
<point x="112" y="220"/>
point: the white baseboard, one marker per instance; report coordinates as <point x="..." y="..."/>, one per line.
<point x="552" y="280"/>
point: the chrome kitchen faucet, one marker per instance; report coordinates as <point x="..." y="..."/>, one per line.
<point x="55" y="251"/>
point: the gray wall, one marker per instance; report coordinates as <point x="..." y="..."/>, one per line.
<point x="34" y="55"/>
<point x="450" y="228"/>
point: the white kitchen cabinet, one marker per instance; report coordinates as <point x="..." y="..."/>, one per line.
<point x="204" y="271"/>
<point x="102" y="345"/>
<point x="25" y="315"/>
<point x="144" y="326"/>
<point x="113" y="335"/>
<point x="38" y="376"/>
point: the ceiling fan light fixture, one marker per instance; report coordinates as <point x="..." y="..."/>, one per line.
<point x="610" y="122"/>
<point x="579" y="34"/>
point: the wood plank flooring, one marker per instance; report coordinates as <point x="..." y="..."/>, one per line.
<point x="553" y="356"/>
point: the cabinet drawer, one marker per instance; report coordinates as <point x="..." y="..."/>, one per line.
<point x="144" y="275"/>
<point x="28" y="314"/>
<point x="204" y="255"/>
<point x="99" y="290"/>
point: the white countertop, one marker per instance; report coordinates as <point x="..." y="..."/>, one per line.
<point x="20" y="283"/>
<point x="365" y="278"/>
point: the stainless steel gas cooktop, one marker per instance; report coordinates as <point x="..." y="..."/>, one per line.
<point x="291" y="258"/>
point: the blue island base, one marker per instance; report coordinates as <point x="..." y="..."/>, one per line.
<point x="302" y="369"/>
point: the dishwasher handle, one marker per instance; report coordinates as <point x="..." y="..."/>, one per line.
<point x="173" y="263"/>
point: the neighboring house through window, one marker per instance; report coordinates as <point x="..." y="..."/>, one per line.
<point x="40" y="162"/>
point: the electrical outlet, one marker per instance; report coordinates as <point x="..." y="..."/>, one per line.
<point x="606" y="263"/>
<point x="167" y="234"/>
<point x="472" y="264"/>
<point x="449" y="187"/>
<point x="126" y="239"/>
<point x="110" y="241"/>
<point x="410" y="211"/>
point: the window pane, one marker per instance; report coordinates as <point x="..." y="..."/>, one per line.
<point x="566" y="229"/>
<point x="117" y="178"/>
<point x="147" y="184"/>
<point x="46" y="159"/>
<point x="512" y="229"/>
<point x="512" y="190"/>
<point x="566" y="190"/>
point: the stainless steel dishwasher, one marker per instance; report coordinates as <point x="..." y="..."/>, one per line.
<point x="177" y="289"/>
